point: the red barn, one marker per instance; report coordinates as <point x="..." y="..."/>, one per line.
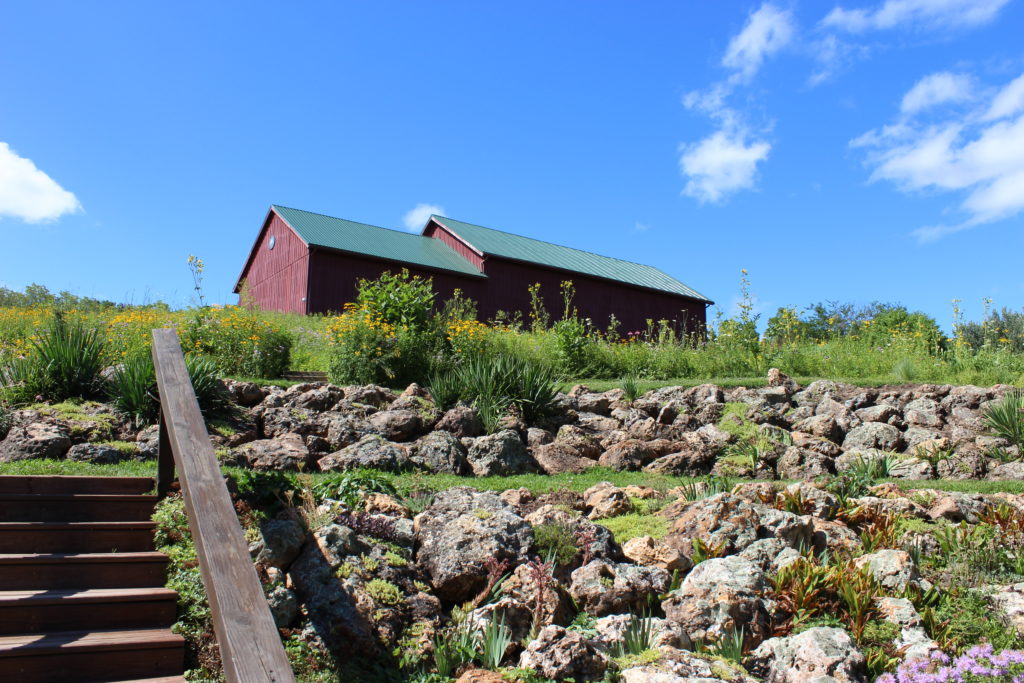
<point x="306" y="262"/>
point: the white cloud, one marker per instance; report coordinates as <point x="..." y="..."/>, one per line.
<point x="1009" y="101"/>
<point x="721" y="164"/>
<point x="28" y="193"/>
<point x="935" y="89"/>
<point x="767" y="31"/>
<point x="641" y="227"/>
<point x="979" y="154"/>
<point x="417" y="217"/>
<point x="915" y="14"/>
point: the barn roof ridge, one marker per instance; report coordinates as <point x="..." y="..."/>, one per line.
<point x="318" y="229"/>
<point x="632" y="275"/>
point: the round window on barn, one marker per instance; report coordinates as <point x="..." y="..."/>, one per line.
<point x="273" y="241"/>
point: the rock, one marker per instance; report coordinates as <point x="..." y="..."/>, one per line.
<point x="383" y="504"/>
<point x="535" y="436"/>
<point x="870" y="435"/>
<point x="1009" y="601"/>
<point x="370" y="451"/>
<point x="611" y="631"/>
<point x="100" y="454"/>
<point x="517" y="498"/>
<point x="335" y="543"/>
<point x="648" y="552"/>
<point x="395" y="425"/>
<point x="688" y="462"/>
<point x="280" y="421"/>
<point x="559" y="458"/>
<point x="911" y="468"/>
<point x="34" y="440"/>
<point x="803" y="463"/>
<point x="822" y="426"/>
<point x="279" y="544"/>
<point x="371" y="395"/>
<point x="777" y="378"/>
<point x="499" y="454"/>
<point x="1007" y="471"/>
<point x="560" y="654"/>
<point x="913" y="641"/>
<point x="769" y="554"/>
<point x="481" y="676"/>
<point x="718" y="598"/>
<point x="958" y="507"/>
<point x="583" y="442"/>
<point x="815" y="500"/>
<point x="517" y="616"/>
<point x="606" y="500"/>
<point x="593" y="403"/>
<point x="459" y="532"/>
<point x="318" y="398"/>
<point x="880" y="413"/>
<point x="603" y="587"/>
<point x="245" y="394"/>
<point x="601" y="542"/>
<point x="818" y="655"/>
<point x="894" y="570"/>
<point x="284" y="606"/>
<point x="835" y="537"/>
<point x="924" y="412"/>
<point x="895" y="507"/>
<point x="284" y="452"/>
<point x="642" y="492"/>
<point x="732" y="523"/>
<point x="442" y="452"/>
<point x="340" y="429"/>
<point x="627" y="455"/>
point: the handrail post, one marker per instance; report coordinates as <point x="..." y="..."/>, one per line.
<point x="250" y="645"/>
<point x="164" y="461"/>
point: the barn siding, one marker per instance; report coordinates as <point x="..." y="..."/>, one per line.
<point x="507" y="283"/>
<point x="277" y="277"/>
<point x="441" y="233"/>
<point x="333" y="277"/>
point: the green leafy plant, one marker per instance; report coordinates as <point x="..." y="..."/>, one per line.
<point x="495" y="640"/>
<point x="639" y="636"/>
<point x="64" y="362"/>
<point x="556" y="542"/>
<point x="351" y="486"/>
<point x="1005" y="417"/>
<point x="384" y="592"/>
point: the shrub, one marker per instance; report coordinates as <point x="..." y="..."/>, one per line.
<point x="65" y="362"/>
<point x="241" y="341"/>
<point x="1005" y="417"/>
<point x="556" y="543"/>
<point x="350" y="487"/>
<point x="133" y="389"/>
<point x="400" y="300"/>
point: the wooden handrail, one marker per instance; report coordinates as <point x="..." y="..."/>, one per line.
<point x="250" y="647"/>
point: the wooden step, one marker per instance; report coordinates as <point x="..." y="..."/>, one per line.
<point x="88" y="656"/>
<point x="84" y="570"/>
<point x="75" y="537"/>
<point x="39" y="611"/>
<point x="56" y="484"/>
<point x="35" y="507"/>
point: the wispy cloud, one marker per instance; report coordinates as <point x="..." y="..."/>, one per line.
<point x="28" y="193"/>
<point x="416" y="218"/>
<point x="767" y="31"/>
<point x="915" y="15"/>
<point x="978" y="153"/>
<point x="726" y="161"/>
<point x="935" y="89"/>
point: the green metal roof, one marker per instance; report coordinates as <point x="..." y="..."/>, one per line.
<point x="360" y="238"/>
<point x="507" y="245"/>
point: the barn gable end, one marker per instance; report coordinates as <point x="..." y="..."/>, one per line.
<point x="276" y="274"/>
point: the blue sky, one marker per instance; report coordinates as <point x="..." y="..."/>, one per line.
<point x="849" y="151"/>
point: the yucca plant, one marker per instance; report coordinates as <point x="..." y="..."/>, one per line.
<point x="638" y="636"/>
<point x="1005" y="417"/>
<point x="495" y="640"/>
<point x="65" y="362"/>
<point x="133" y="390"/>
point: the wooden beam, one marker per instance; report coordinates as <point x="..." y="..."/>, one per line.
<point x="250" y="646"/>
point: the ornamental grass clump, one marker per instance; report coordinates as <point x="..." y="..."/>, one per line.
<point x="980" y="663"/>
<point x="63" y="362"/>
<point x="1005" y="417"/>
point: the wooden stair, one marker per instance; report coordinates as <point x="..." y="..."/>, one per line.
<point x="83" y="596"/>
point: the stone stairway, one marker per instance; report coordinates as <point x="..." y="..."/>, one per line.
<point x="82" y="594"/>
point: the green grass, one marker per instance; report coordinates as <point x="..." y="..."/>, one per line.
<point x="128" y="468"/>
<point x="625" y="527"/>
<point x="537" y="483"/>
